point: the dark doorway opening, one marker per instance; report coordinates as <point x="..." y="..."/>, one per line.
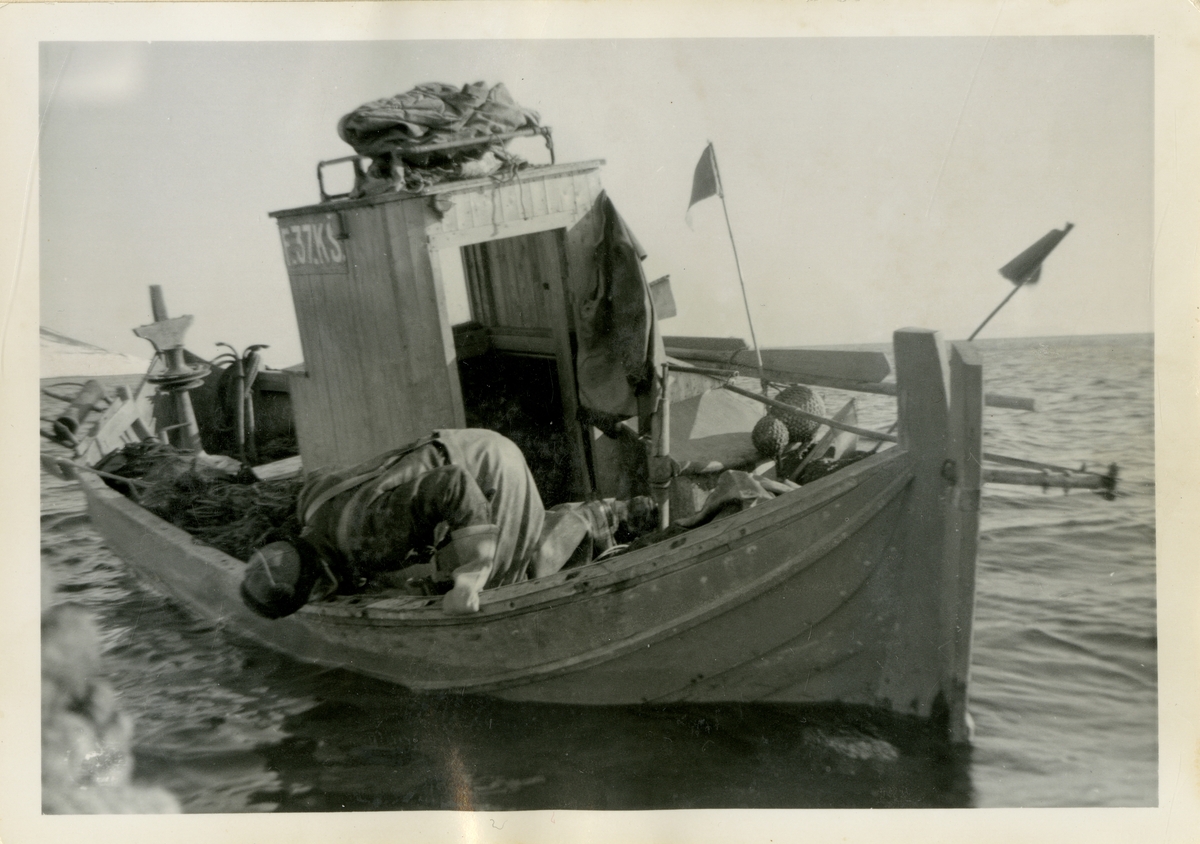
<point x="519" y="396"/>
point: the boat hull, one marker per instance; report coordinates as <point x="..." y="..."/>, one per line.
<point x="787" y="602"/>
<point x="855" y="589"/>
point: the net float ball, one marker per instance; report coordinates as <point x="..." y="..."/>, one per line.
<point x="770" y="436"/>
<point x="803" y="398"/>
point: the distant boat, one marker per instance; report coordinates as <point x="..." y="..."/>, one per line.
<point x="63" y="357"/>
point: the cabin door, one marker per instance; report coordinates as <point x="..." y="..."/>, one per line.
<point x="516" y="365"/>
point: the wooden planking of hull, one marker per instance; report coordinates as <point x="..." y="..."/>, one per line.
<point x="752" y="607"/>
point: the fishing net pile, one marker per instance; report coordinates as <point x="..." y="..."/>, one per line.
<point x="818" y="469"/>
<point x="229" y="510"/>
<point x="392" y="131"/>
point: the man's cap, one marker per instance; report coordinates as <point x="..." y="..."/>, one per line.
<point x="279" y="578"/>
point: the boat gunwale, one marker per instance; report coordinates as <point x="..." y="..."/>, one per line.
<point x="635" y="567"/>
<point x="886" y="493"/>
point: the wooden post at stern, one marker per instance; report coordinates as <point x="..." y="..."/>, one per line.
<point x="964" y="465"/>
<point x="929" y="656"/>
<point x="921" y="644"/>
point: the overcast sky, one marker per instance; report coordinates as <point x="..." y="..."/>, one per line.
<point x="872" y="183"/>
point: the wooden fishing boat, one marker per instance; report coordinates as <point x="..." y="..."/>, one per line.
<point x="857" y="588"/>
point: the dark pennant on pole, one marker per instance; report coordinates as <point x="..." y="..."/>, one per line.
<point x="1026" y="268"/>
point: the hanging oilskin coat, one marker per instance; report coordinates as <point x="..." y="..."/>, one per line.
<point x="619" y="344"/>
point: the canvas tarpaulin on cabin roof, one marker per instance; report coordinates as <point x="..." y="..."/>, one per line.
<point x="433" y="113"/>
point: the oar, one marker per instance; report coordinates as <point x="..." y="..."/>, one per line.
<point x="1105" y="485"/>
<point x="832" y="423"/>
<point x="882" y="436"/>
<point x="880" y="388"/>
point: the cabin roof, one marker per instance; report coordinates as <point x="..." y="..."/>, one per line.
<point x="463" y="186"/>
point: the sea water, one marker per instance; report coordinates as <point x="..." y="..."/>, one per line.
<point x="1063" y="676"/>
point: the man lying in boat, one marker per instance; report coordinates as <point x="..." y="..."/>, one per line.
<point x="361" y="523"/>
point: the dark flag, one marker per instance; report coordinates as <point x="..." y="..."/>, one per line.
<point x="706" y="182"/>
<point x="1026" y="268"/>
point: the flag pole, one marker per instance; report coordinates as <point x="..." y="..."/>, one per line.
<point x="1025" y="269"/>
<point x="1011" y="294"/>
<point x="738" y="264"/>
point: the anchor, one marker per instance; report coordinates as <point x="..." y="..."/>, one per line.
<point x="180" y="377"/>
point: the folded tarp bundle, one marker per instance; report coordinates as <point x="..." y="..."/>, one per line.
<point x="433" y="113"/>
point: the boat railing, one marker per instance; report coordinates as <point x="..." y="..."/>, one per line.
<point x="879" y="388"/>
<point x="417" y="150"/>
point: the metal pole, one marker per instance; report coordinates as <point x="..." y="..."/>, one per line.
<point x="737" y="263"/>
<point x="660" y="482"/>
<point x="832" y="423"/>
<point x="1012" y="293"/>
